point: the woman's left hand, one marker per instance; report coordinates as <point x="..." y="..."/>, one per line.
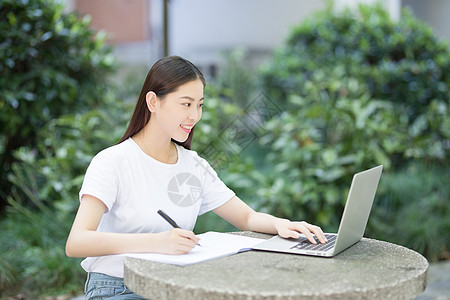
<point x="290" y="229"/>
<point x="243" y="217"/>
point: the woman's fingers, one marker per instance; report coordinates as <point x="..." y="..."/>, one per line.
<point x="316" y="230"/>
<point x="294" y="228"/>
<point x="179" y="241"/>
<point x="189" y="235"/>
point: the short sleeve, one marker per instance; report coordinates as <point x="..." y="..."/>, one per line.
<point x="215" y="192"/>
<point x="101" y="180"/>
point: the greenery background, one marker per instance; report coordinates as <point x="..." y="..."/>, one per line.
<point x="346" y="92"/>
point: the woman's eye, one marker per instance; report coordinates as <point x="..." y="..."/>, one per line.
<point x="187" y="104"/>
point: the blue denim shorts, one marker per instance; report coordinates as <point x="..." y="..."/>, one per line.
<point x="102" y="286"/>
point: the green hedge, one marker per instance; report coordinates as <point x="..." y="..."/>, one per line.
<point x="50" y="64"/>
<point x="413" y="209"/>
<point x="402" y="62"/>
<point x="359" y="89"/>
<point x="43" y="200"/>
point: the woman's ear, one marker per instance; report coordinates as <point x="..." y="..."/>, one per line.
<point x="151" y="101"/>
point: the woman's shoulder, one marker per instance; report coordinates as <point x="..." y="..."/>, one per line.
<point x="190" y="154"/>
<point x="193" y="158"/>
<point x="115" y="152"/>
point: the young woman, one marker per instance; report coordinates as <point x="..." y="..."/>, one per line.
<point x="148" y="170"/>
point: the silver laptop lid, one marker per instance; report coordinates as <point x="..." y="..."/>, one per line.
<point x="357" y="208"/>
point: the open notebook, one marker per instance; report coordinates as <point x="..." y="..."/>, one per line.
<point x="213" y="245"/>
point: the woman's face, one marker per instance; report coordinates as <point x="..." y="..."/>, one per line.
<point x="180" y="110"/>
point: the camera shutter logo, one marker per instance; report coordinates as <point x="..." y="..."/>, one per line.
<point x="184" y="189"/>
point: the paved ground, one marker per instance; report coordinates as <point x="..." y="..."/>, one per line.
<point x="438" y="287"/>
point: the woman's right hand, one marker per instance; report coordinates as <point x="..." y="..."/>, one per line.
<point x="84" y="240"/>
<point x="176" y="241"/>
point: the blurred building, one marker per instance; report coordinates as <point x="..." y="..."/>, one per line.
<point x="204" y="30"/>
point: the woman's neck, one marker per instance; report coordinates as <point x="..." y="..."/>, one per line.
<point x="157" y="147"/>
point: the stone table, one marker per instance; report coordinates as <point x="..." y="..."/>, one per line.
<point x="370" y="269"/>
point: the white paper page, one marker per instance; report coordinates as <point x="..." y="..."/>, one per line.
<point x="213" y="245"/>
<point x="228" y="241"/>
<point x="198" y="254"/>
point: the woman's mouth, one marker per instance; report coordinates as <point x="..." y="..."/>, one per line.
<point x="186" y="128"/>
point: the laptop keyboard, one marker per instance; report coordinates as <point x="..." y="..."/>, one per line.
<point x="305" y="244"/>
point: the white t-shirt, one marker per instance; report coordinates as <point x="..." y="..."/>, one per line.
<point x="134" y="186"/>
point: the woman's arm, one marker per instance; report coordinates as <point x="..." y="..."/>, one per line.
<point x="239" y="214"/>
<point x="84" y="240"/>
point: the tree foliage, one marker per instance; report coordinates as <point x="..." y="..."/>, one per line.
<point x="358" y="89"/>
<point x="403" y="62"/>
<point x="51" y="64"/>
<point x="43" y="200"/>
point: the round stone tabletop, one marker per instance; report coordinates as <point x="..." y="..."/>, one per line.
<point x="370" y="269"/>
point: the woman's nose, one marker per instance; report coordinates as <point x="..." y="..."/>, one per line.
<point x="195" y="114"/>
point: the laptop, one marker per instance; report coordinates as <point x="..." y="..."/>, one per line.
<point x="351" y="229"/>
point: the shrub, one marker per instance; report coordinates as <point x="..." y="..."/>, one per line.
<point x="236" y="80"/>
<point x="50" y="64"/>
<point x="358" y="90"/>
<point x="32" y="258"/>
<point x="413" y="209"/>
<point x="326" y="135"/>
<point x="43" y="200"/>
<point x="402" y="62"/>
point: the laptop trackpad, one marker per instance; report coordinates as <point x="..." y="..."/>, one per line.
<point x="277" y="243"/>
<point x="301" y="245"/>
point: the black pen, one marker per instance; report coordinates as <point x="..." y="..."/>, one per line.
<point x="170" y="220"/>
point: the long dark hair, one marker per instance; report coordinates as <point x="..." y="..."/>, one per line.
<point x="166" y="75"/>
